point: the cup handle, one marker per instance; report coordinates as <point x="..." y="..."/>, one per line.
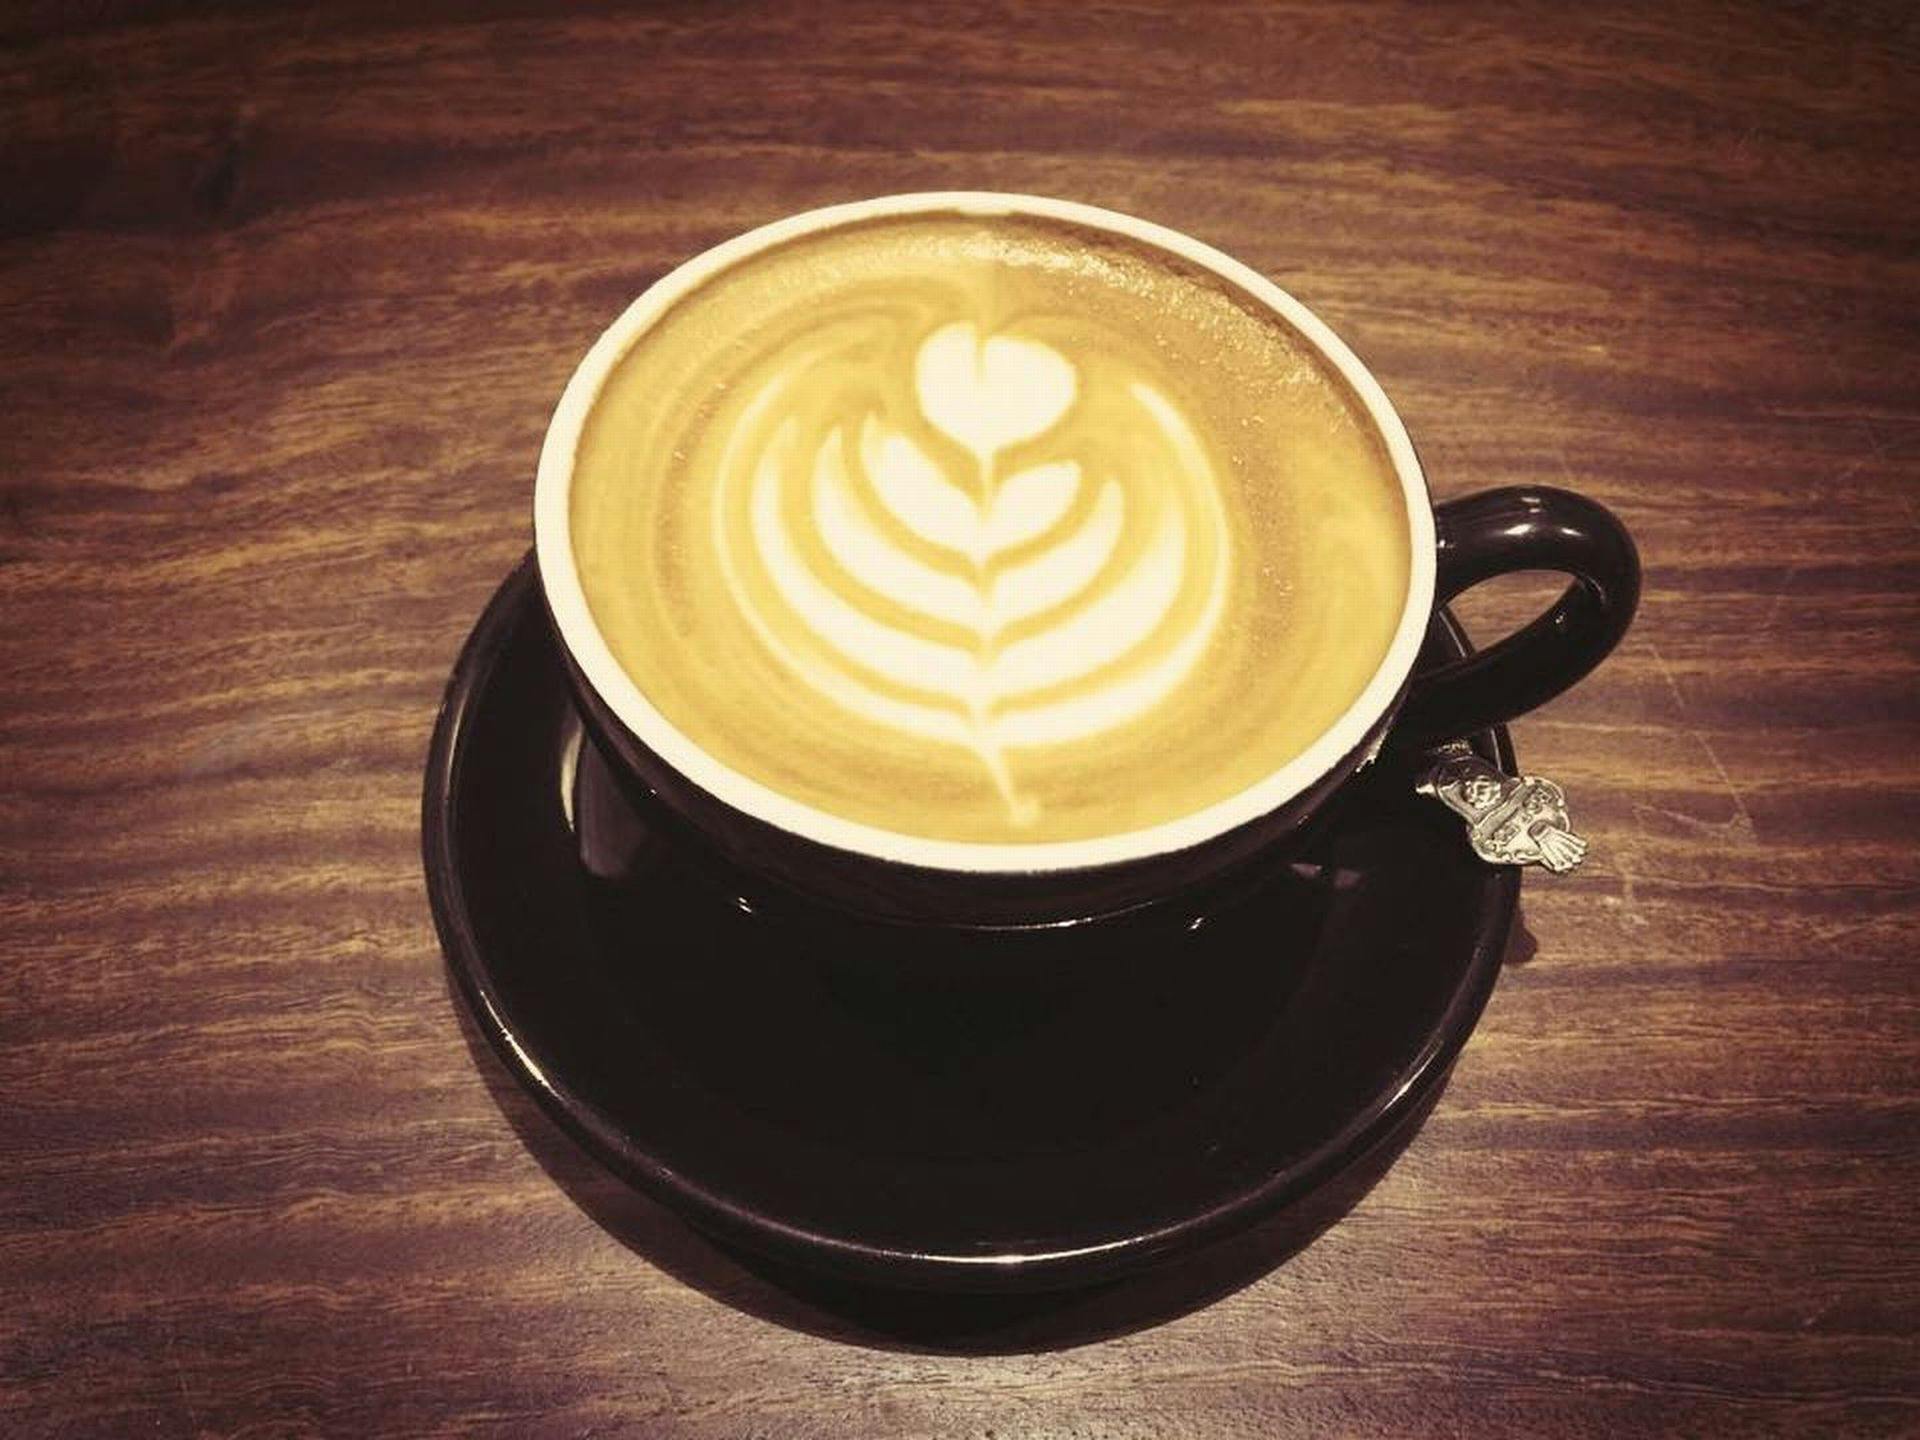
<point x="1497" y="532"/>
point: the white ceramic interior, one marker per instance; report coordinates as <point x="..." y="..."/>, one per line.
<point x="559" y="575"/>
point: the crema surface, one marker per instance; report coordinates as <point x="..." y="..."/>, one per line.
<point x="987" y="529"/>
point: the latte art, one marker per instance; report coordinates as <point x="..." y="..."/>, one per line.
<point x="991" y="529"/>
<point x="957" y="597"/>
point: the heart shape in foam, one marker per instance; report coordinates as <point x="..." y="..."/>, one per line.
<point x="993" y="392"/>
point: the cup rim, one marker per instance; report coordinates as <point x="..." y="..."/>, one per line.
<point x="580" y="633"/>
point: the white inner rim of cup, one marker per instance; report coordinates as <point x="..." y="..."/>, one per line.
<point x="553" y="543"/>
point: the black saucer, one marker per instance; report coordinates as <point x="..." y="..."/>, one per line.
<point x="1016" y="1114"/>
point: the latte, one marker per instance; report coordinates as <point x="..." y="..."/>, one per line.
<point x="987" y="528"/>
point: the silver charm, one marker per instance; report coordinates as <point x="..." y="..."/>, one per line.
<point x="1510" y="820"/>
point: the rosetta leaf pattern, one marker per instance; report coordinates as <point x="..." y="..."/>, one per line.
<point x="974" y="603"/>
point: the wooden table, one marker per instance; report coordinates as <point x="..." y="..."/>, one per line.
<point x="286" y="295"/>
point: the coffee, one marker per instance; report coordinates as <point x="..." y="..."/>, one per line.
<point x="987" y="528"/>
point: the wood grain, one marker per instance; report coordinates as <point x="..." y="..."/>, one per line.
<point x="286" y="294"/>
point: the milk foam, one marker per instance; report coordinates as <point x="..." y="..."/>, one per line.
<point x="986" y="529"/>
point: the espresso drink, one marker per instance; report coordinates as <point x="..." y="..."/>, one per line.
<point x="987" y="528"/>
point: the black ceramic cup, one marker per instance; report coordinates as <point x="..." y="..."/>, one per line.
<point x="774" y="846"/>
